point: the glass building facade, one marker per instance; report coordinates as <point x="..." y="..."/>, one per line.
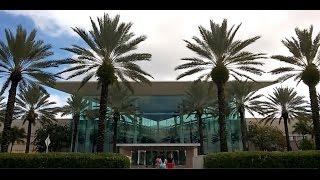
<point x="158" y="121"/>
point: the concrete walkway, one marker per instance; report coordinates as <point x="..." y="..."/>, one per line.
<point x="151" y="167"/>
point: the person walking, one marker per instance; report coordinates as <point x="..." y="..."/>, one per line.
<point x="163" y="162"/>
<point x="170" y="162"/>
<point x="158" y="161"/>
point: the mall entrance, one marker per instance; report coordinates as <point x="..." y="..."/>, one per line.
<point x="148" y="158"/>
<point x="144" y="155"/>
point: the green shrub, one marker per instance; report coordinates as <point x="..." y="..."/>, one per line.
<point x="266" y="137"/>
<point x="306" y="144"/>
<point x="261" y="159"/>
<point x="60" y="137"/>
<point x="64" y="160"/>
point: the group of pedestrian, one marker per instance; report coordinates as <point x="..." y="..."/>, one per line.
<point x="163" y="163"/>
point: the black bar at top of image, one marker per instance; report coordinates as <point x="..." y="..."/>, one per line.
<point x="159" y="4"/>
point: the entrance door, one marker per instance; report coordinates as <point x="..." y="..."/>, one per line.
<point x="141" y="157"/>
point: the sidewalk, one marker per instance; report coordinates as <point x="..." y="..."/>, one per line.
<point x="151" y="167"/>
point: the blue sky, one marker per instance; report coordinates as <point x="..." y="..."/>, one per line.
<point x="165" y="31"/>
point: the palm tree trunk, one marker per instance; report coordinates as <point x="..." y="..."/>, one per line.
<point x="125" y="132"/>
<point x="102" y="117"/>
<point x="8" y="116"/>
<point x="175" y="126"/>
<point x="93" y="136"/>
<point x="315" y="114"/>
<point x="116" y="118"/>
<point x="76" y="120"/>
<point x="200" y="123"/>
<point x="28" y="137"/>
<point x="243" y="130"/>
<point x="222" y="117"/>
<point x="285" y="121"/>
<point x="11" y="147"/>
<point x="191" y="138"/>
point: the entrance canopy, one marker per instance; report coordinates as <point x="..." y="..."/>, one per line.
<point x="158" y="146"/>
<point x="156" y="102"/>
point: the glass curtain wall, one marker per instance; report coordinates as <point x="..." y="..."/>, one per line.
<point x="157" y="121"/>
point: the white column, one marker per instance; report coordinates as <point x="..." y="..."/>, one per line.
<point x="145" y="158"/>
<point x="138" y="157"/>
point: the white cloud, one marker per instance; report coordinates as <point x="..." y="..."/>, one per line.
<point x="60" y="101"/>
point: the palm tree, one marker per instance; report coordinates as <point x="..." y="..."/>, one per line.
<point x="303" y="126"/>
<point x="17" y="135"/>
<point x="284" y="104"/>
<point x="244" y="99"/>
<point x="197" y="99"/>
<point x="304" y="65"/>
<point x="23" y="62"/>
<point x="75" y="106"/>
<point x="122" y="105"/>
<point x="220" y="56"/>
<point x="33" y="106"/>
<point x="110" y="57"/>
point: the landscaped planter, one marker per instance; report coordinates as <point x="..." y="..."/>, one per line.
<point x="296" y="159"/>
<point x="64" y="160"/>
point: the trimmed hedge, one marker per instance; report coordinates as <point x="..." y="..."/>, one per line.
<point x="262" y="159"/>
<point x="64" y="160"/>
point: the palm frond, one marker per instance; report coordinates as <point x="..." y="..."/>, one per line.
<point x="218" y="47"/>
<point x="22" y="55"/>
<point x="282" y="70"/>
<point x="111" y="44"/>
<point x="284" y="100"/>
<point x="33" y="105"/>
<point x="192" y="71"/>
<point x="304" y="52"/>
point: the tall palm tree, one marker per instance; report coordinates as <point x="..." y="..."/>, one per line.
<point x="33" y="105"/>
<point x="197" y="99"/>
<point x="23" y="62"/>
<point x="17" y="135"/>
<point x="122" y="105"/>
<point x="76" y="104"/>
<point x="220" y="56"/>
<point x="110" y="57"/>
<point x="284" y="104"/>
<point x="244" y="99"/>
<point x="304" y="64"/>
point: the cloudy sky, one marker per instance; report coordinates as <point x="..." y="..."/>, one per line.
<point x="165" y="31"/>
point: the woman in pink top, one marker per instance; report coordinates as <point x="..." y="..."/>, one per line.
<point x="158" y="162"/>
